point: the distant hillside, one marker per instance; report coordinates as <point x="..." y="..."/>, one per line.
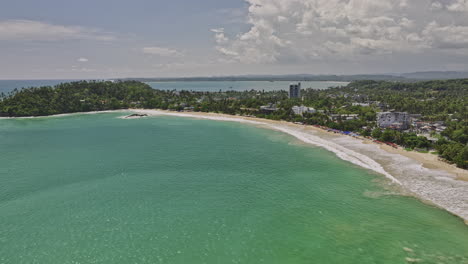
<point x="436" y="75"/>
<point x="294" y="77"/>
<point x="404" y="77"/>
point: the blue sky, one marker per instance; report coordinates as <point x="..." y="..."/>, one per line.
<point x="142" y="38"/>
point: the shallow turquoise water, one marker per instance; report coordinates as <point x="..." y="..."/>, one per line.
<point x="98" y="189"/>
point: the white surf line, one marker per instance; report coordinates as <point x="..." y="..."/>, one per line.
<point x="341" y="152"/>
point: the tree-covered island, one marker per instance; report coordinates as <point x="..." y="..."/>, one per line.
<point x="437" y="110"/>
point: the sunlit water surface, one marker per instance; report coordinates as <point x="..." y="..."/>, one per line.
<point x="99" y="189"/>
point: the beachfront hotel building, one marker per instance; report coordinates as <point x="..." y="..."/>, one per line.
<point x="295" y="90"/>
<point x="300" y="110"/>
<point x="394" y="120"/>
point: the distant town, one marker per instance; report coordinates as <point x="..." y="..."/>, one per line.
<point x="426" y="116"/>
<point x="385" y="119"/>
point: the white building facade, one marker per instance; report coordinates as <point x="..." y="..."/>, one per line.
<point x="300" y="110"/>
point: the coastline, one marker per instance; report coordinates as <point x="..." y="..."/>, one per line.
<point x="69" y="114"/>
<point x="420" y="175"/>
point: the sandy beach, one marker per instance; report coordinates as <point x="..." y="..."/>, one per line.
<point x="421" y="175"/>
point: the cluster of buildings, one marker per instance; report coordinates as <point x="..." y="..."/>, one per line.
<point x="343" y="117"/>
<point x="405" y="121"/>
<point x="385" y="119"/>
<point x="429" y="127"/>
<point x="393" y="120"/>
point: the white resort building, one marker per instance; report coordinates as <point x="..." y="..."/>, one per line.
<point x="300" y="110"/>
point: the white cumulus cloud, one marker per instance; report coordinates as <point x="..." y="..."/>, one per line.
<point x="458" y="6"/>
<point x="285" y="30"/>
<point x="29" y="30"/>
<point x="161" y="51"/>
<point x="220" y="37"/>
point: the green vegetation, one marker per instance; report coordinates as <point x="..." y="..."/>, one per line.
<point x="74" y="97"/>
<point x="435" y="100"/>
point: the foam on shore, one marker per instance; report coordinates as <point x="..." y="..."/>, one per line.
<point x="340" y="151"/>
<point x="436" y="186"/>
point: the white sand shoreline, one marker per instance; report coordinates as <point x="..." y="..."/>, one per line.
<point x="421" y="175"/>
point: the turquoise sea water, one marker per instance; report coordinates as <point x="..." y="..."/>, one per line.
<point x="99" y="189"/>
